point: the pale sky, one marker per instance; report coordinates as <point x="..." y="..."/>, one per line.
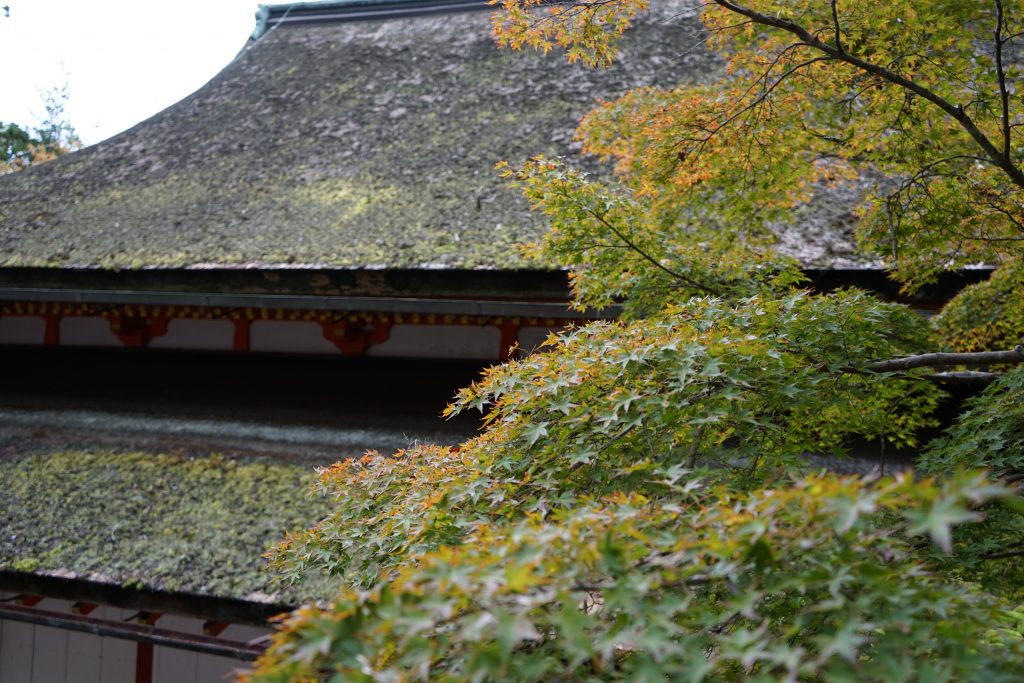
<point x="123" y="60"/>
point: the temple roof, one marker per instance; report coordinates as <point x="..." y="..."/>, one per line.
<point x="351" y="135"/>
<point x="178" y="523"/>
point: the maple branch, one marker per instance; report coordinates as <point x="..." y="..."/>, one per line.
<point x="689" y="582"/>
<point x="691" y="459"/>
<point x="1012" y="550"/>
<point x="956" y="112"/>
<point x="760" y="99"/>
<point x="966" y="378"/>
<point x="835" y="25"/>
<point x="650" y="259"/>
<point x="1004" y="94"/>
<point x="945" y="360"/>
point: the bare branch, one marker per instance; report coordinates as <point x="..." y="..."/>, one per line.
<point x="947" y="360"/>
<point x="967" y="378"/>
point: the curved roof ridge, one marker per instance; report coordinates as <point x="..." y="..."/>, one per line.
<point x="331" y="11"/>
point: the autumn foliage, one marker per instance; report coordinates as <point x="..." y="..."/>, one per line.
<point x="639" y="504"/>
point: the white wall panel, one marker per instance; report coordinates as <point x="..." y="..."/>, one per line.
<point x="85" y="663"/>
<point x="49" y="653"/>
<point x="207" y="335"/>
<point x="171" y="665"/>
<point x="210" y="669"/>
<point x="87" y="332"/>
<point x="117" y="656"/>
<point x="440" y="341"/>
<point x="289" y="336"/>
<point x="22" y="329"/>
<point x="16" y="653"/>
<point x="40" y="654"/>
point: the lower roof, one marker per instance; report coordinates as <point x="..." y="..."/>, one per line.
<point x="168" y="524"/>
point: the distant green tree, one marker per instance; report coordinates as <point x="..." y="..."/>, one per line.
<point x="17" y="143"/>
<point x="23" y="146"/>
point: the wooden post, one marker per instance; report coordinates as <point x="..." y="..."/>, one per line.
<point x="51" y="337"/>
<point x="144" y="651"/>
<point x="509" y="337"/>
<point x="243" y="331"/>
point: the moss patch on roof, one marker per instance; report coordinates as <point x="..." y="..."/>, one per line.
<point x="159" y="521"/>
<point x="367" y="144"/>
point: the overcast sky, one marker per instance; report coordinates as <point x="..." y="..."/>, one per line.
<point x="123" y="60"/>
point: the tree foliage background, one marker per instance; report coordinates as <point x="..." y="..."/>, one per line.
<point x="637" y="506"/>
<point x="22" y="146"/>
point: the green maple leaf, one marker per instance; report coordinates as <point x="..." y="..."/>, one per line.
<point x="938" y="520"/>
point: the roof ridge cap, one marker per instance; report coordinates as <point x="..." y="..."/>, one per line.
<point x="269" y="17"/>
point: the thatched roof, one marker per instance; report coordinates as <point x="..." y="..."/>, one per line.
<point x="176" y="523"/>
<point x="366" y="143"/>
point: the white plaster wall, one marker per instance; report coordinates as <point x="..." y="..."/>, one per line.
<point x="171" y="665"/>
<point x="87" y="332"/>
<point x="22" y="329"/>
<point x="441" y="341"/>
<point x="289" y="336"/>
<point x="206" y="335"/>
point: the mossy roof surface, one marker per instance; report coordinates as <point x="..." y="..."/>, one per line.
<point x="175" y="523"/>
<point x="364" y="144"/>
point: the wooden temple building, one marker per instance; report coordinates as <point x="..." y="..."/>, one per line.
<point x="330" y="192"/>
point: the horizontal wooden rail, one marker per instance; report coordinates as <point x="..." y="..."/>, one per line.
<point x="138" y="633"/>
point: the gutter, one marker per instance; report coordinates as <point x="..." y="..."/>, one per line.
<point x="519" y="309"/>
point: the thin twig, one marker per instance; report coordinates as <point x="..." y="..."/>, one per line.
<point x="691" y="460"/>
<point x="1002" y="556"/>
<point x="835" y="24"/>
<point x="650" y="259"/>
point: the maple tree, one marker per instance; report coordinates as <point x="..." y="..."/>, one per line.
<point x="638" y="505"/>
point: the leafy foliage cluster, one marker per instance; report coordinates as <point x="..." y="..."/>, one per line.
<point x="637" y="505"/>
<point x="987" y="315"/>
<point x="21" y="147"/>
<point x="702" y="583"/>
<point x="731" y="392"/>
